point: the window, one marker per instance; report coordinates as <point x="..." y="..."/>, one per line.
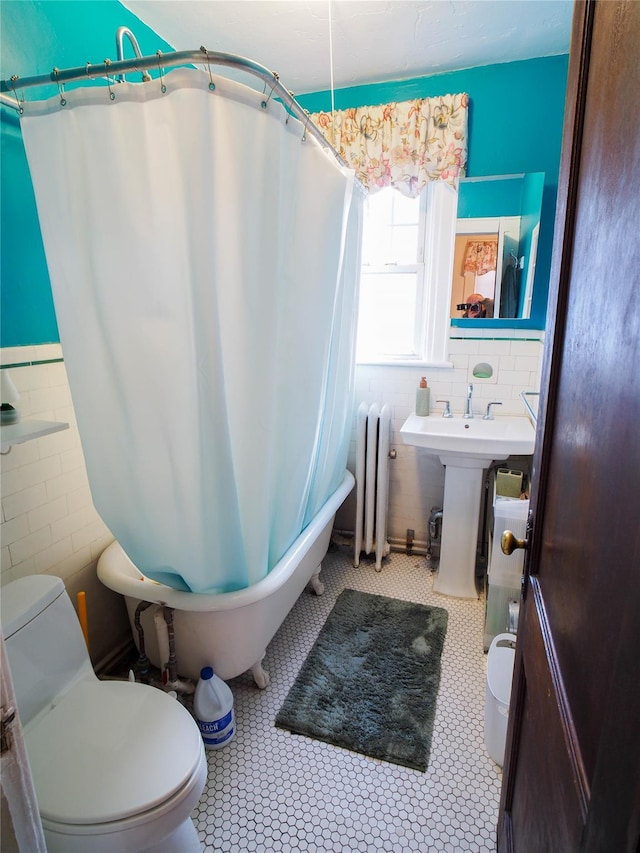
<point x="405" y="284"/>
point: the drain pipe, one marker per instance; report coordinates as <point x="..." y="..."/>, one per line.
<point x="435" y="522"/>
<point x="142" y="664"/>
<point x="163" y="619"/>
<point x="162" y="636"/>
<point x="484" y="539"/>
<point x="172" y="664"/>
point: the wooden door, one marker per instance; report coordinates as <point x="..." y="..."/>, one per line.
<point x="572" y="770"/>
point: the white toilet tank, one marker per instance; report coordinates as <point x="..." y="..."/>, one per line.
<point x="45" y="644"/>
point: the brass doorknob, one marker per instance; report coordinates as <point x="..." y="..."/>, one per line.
<point x="510" y="543"/>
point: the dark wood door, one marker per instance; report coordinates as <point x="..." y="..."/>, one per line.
<point x="572" y="770"/>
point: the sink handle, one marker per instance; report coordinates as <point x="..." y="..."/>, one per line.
<point x="488" y="415"/>
<point x="447" y="408"/>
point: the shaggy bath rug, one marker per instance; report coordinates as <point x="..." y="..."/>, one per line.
<point x="371" y="680"/>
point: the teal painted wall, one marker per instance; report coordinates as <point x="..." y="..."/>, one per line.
<point x="35" y="37"/>
<point x="516" y="114"/>
<point x="515" y="125"/>
<point x="490" y="198"/>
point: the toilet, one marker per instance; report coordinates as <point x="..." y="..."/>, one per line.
<point x="117" y="766"/>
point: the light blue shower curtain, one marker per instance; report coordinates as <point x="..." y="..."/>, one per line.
<point x="204" y="264"/>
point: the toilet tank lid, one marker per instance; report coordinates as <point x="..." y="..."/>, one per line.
<point x="21" y="600"/>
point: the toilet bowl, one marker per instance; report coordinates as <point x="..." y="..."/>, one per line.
<point x="116" y="766"/>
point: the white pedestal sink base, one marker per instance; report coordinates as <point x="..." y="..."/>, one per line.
<point x="465" y="446"/>
<point x="460" y="514"/>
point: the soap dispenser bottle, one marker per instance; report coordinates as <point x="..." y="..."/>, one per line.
<point x="422" y="398"/>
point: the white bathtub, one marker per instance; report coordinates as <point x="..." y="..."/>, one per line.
<point x="229" y="631"/>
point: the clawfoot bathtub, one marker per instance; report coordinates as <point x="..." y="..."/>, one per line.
<point x="229" y="631"/>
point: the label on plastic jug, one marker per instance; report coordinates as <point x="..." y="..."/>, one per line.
<point x="216" y="732"/>
<point x="211" y="735"/>
<point x="215" y="726"/>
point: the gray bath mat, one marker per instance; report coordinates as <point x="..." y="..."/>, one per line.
<point x="371" y="680"/>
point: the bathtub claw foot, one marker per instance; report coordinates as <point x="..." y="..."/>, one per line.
<point x="316" y="583"/>
<point x="260" y="675"/>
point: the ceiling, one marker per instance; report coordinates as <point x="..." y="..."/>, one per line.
<point x="369" y="40"/>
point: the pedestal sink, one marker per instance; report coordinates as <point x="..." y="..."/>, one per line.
<point x="465" y="447"/>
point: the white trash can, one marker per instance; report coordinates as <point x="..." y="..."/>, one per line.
<point x="500" y="659"/>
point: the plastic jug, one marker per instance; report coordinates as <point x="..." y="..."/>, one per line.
<point x="213" y="710"/>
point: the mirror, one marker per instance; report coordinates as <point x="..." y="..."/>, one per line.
<point x="496" y="243"/>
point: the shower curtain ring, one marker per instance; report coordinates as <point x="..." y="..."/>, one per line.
<point x="87" y="71"/>
<point x="107" y="63"/>
<point x="306" y="124"/>
<point x="19" y="101"/>
<point x="63" y="100"/>
<point x="275" y="83"/>
<point x="212" y="85"/>
<point x="163" y="88"/>
<point x="292" y="96"/>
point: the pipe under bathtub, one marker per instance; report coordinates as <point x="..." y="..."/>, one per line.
<point x="143" y="663"/>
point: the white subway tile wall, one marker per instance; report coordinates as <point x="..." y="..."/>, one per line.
<point x="49" y="523"/>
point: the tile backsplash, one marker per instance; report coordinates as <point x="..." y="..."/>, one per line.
<point x="49" y="523"/>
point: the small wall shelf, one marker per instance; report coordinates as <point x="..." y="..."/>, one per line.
<point x="26" y="431"/>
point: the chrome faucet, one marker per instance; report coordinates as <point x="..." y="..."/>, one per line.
<point x="468" y="405"/>
<point x="447" y="408"/>
<point x="488" y="415"/>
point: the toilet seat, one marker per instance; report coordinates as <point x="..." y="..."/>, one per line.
<point x="97" y="756"/>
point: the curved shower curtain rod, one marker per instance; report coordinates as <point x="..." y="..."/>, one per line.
<point x="117" y="69"/>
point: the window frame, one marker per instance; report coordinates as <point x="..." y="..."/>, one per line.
<point x="436" y="239"/>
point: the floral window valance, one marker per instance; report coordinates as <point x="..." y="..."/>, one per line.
<point x="403" y="145"/>
<point x="480" y="256"/>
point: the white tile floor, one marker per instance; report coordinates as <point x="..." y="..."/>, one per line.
<point x="270" y="790"/>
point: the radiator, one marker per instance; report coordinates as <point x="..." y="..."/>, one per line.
<point x="373" y="427"/>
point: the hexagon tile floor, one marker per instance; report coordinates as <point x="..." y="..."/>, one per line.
<point x="270" y="790"/>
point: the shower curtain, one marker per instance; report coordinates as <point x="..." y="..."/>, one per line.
<point x="204" y="260"/>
